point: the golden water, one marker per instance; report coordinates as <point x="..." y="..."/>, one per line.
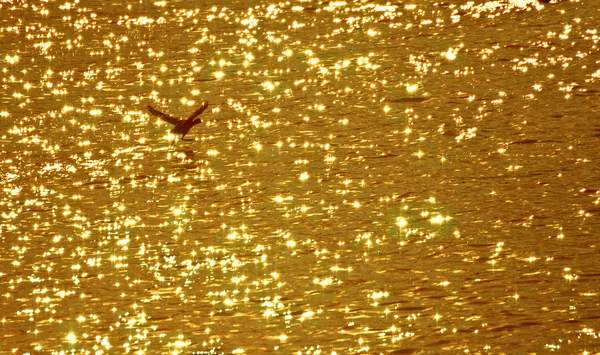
<point x="370" y="177"/>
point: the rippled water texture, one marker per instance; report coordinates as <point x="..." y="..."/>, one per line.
<point x="370" y="177"/>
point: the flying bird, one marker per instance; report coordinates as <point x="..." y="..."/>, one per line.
<point x="181" y="126"/>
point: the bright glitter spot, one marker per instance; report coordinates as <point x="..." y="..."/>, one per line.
<point x="179" y="344"/>
<point x="380" y="294"/>
<point x="303" y="176"/>
<point x="268" y="85"/>
<point x="308" y="314"/>
<point x="401" y="222"/>
<point x="71" y="338"/>
<point x="439" y="219"/>
<point x="450" y="54"/>
<point x="410" y="88"/>
<point x="283" y="337"/>
<point x="11" y="60"/>
<point x="218" y="75"/>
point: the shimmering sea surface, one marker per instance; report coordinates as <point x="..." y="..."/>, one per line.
<point x="405" y="177"/>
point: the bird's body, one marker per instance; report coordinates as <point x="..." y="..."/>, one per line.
<point x="181" y="126"/>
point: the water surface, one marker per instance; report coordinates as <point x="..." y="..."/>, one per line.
<point x="370" y="177"/>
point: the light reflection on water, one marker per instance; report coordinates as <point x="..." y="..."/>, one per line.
<point x="369" y="177"/>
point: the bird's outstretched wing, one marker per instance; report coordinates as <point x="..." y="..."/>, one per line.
<point x="198" y="111"/>
<point x="163" y="116"/>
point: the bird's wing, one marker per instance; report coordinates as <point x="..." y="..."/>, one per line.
<point x="198" y="111"/>
<point x="163" y="116"/>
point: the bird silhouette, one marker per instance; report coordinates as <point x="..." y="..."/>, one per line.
<point x="181" y="126"/>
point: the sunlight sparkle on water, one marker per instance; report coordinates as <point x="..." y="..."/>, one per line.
<point x="365" y="176"/>
<point x="401" y="222"/>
